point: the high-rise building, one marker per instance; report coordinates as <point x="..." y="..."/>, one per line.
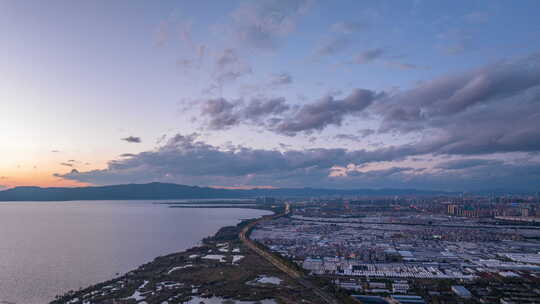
<point x="452" y="209"/>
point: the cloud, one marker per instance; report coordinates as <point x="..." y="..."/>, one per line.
<point x="226" y="58"/>
<point x="369" y="55"/>
<point x="499" y="102"/>
<point x="263" y="24"/>
<point x="456" y="93"/>
<point x="366" y="132"/>
<point x="127" y="155"/>
<point x="184" y="159"/>
<point x="223" y="113"/>
<point x="259" y="107"/>
<point x="285" y="146"/>
<point x="66" y="164"/>
<point x="280" y="79"/>
<point x="490" y="110"/>
<point x="132" y="139"/>
<point x="459" y="164"/>
<point x="495" y="176"/>
<point x="326" y="111"/>
<point x="375" y="54"/>
<point x="229" y="67"/>
<point x="276" y="115"/>
<point x="352" y="137"/>
<point x="333" y="45"/>
<point x="347" y="137"/>
<point x="347" y="27"/>
<point x="406" y="66"/>
<point x="268" y="86"/>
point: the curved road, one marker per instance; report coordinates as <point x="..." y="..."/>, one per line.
<point x="293" y="273"/>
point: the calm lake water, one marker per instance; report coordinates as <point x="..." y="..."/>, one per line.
<point x="47" y="248"/>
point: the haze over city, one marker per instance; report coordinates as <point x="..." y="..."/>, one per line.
<point x="332" y="94"/>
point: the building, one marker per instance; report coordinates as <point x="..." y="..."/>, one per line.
<point x="370" y="299"/>
<point x="452" y="209"/>
<point x="400" y="287"/>
<point x="461" y="291"/>
<point x="408" y="299"/>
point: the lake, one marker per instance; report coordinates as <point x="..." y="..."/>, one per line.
<point x="47" y="248"/>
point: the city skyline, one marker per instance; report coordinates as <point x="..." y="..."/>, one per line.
<point x="348" y="94"/>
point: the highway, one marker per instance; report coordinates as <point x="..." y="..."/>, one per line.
<point x="293" y="273"/>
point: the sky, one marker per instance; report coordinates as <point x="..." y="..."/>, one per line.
<point x="337" y="94"/>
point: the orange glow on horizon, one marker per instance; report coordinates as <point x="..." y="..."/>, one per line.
<point x="38" y="179"/>
<point x="40" y="172"/>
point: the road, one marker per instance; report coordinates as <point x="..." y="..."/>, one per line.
<point x="293" y="273"/>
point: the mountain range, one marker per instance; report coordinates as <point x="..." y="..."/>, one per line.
<point x="175" y="191"/>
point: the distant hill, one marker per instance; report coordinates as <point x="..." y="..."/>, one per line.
<point x="174" y="191"/>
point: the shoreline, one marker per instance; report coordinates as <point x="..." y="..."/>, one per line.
<point x="191" y="251"/>
<point x="171" y="278"/>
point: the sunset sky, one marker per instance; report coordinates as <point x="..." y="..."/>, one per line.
<point x="342" y="94"/>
